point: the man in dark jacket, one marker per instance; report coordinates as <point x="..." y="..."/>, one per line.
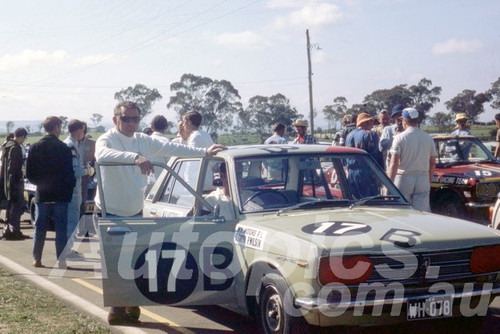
<point x="49" y="167"/>
<point x="11" y="178"/>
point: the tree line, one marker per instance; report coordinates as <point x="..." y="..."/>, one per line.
<point x="220" y="104"/>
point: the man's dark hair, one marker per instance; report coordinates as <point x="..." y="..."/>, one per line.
<point x="277" y="127"/>
<point x="497" y="117"/>
<point x="194" y="117"/>
<point x="51" y="122"/>
<point x="159" y="123"/>
<point x="126" y="105"/>
<point x="20" y="132"/>
<point x="75" y="125"/>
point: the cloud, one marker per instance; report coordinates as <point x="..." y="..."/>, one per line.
<point x="312" y="14"/>
<point x="37" y="58"/>
<point x="454" y="46"/>
<point x="284" y="3"/>
<point x="92" y="59"/>
<point x="29" y="58"/>
<point x="244" y="40"/>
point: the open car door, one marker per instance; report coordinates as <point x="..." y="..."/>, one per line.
<point x="167" y="260"/>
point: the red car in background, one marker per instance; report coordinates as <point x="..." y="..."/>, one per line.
<point x="467" y="178"/>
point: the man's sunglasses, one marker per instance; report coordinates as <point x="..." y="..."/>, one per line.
<point x="130" y="119"/>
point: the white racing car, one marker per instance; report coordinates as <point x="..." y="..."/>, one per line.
<point x="299" y="236"/>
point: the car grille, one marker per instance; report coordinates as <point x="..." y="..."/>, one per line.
<point x="422" y="268"/>
<point x="414" y="280"/>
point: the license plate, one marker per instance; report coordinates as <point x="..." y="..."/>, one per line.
<point x="428" y="308"/>
<point x="89" y="207"/>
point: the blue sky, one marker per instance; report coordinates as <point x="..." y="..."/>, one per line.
<point x="60" y="57"/>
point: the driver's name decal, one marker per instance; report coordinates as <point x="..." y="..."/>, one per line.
<point x="250" y="237"/>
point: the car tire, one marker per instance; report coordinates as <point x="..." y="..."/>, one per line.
<point x="451" y="206"/>
<point x="272" y="313"/>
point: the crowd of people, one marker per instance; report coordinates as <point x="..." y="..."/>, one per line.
<point x="401" y="148"/>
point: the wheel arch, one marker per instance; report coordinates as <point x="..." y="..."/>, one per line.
<point x="439" y="195"/>
<point x="253" y="280"/>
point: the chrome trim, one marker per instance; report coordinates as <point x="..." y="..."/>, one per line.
<point x="317" y="305"/>
<point x="479" y="205"/>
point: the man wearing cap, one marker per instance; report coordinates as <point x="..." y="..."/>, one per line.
<point x="302" y="136"/>
<point x="389" y="132"/>
<point x="364" y="138"/>
<point x="461" y="129"/>
<point x="413" y="160"/>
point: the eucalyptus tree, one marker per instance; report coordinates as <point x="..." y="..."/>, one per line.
<point x="217" y="101"/>
<point x="469" y="102"/>
<point x="143" y="96"/>
<point x="334" y="113"/>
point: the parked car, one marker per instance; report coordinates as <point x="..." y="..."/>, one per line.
<point x="325" y="239"/>
<point x="466" y="180"/>
<point x="29" y="197"/>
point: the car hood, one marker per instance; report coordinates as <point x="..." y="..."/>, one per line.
<point x="369" y="229"/>
<point x="484" y="171"/>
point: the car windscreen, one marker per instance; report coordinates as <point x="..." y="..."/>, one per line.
<point x="461" y="150"/>
<point x="277" y="182"/>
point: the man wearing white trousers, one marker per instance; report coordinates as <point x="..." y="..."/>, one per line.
<point x="413" y="161"/>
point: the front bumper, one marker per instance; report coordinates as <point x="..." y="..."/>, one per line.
<point x="387" y="310"/>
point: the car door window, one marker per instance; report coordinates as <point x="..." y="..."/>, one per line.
<point x="174" y="192"/>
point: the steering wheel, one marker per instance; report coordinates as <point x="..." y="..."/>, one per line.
<point x="263" y="192"/>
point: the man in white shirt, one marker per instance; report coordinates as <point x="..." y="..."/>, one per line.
<point x="277" y="137"/>
<point x="197" y="137"/>
<point x="413" y="161"/>
<point x="123" y="187"/>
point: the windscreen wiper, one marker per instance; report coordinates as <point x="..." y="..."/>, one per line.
<point x="312" y="203"/>
<point x="371" y="198"/>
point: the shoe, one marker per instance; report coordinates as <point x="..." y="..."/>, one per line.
<point x="75" y="256"/>
<point x="61" y="264"/>
<point x="122" y="319"/>
<point x="24" y="236"/>
<point x="37" y="264"/>
<point x="133" y="311"/>
<point x="21" y="236"/>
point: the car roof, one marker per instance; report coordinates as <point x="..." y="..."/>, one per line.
<point x="249" y="150"/>
<point x="452" y="136"/>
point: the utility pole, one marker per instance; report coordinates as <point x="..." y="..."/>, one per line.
<point x="311" y="107"/>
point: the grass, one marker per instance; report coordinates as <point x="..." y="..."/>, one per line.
<point x="26" y="309"/>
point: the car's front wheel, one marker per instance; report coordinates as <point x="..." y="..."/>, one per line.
<point x="451" y="206"/>
<point x="276" y="306"/>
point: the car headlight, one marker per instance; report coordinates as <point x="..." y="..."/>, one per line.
<point x="345" y="269"/>
<point x="487" y="190"/>
<point x="485" y="259"/>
